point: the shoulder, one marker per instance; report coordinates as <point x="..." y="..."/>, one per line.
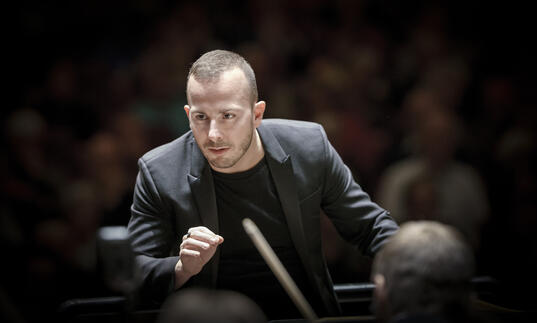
<point x="291" y="132"/>
<point x="305" y="142"/>
<point x="278" y="125"/>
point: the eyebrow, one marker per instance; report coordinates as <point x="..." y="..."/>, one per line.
<point x="221" y="110"/>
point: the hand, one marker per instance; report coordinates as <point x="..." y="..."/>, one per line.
<point x="197" y="248"/>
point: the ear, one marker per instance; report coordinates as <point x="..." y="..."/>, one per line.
<point x="187" y="110"/>
<point x="379" y="304"/>
<point x="259" y="109"/>
<point x="380" y="286"/>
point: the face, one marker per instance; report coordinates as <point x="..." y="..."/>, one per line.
<point x="224" y="123"/>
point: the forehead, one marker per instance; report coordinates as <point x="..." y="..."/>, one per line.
<point x="231" y="86"/>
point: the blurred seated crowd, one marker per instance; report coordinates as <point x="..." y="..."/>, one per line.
<point x="434" y="125"/>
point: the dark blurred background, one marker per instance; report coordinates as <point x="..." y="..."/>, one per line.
<point x="432" y="104"/>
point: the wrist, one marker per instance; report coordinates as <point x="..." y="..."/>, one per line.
<point x="181" y="276"/>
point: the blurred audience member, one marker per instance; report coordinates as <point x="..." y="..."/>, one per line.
<point x="130" y="131"/>
<point x="431" y="184"/>
<point x="29" y="189"/>
<point x="104" y="168"/>
<point x="423" y="275"/>
<point x="63" y="103"/>
<point x="197" y="305"/>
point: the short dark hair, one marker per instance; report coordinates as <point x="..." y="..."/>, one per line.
<point x="211" y="65"/>
<point x="427" y="268"/>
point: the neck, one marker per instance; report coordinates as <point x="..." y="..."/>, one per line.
<point x="254" y="154"/>
<point x="257" y="148"/>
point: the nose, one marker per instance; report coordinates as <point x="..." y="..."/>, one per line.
<point x="215" y="134"/>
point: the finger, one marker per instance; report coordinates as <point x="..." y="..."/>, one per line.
<point x="188" y="235"/>
<point x="189" y="253"/>
<point x="209" y="238"/>
<point x="194" y="244"/>
<point x="202" y="229"/>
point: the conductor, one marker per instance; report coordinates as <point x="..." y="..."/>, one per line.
<point x="191" y="195"/>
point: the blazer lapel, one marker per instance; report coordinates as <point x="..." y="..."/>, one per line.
<point x="202" y="187"/>
<point x="281" y="168"/>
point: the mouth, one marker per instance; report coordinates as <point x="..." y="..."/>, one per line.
<point x="218" y="150"/>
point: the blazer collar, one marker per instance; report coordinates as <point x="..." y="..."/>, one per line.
<point x="202" y="186"/>
<point x="198" y="161"/>
<point x="271" y="145"/>
<point x="281" y="168"/>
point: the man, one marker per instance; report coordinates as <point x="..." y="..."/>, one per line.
<point x="193" y="193"/>
<point x="423" y="275"/>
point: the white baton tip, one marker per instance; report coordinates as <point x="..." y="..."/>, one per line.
<point x="249" y="225"/>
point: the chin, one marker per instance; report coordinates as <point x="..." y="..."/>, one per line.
<point x="221" y="165"/>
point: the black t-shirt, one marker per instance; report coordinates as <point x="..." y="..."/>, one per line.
<point x="241" y="268"/>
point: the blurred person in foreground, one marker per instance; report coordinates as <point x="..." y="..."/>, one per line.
<point x="200" y="305"/>
<point x="423" y="274"/>
<point x="193" y="193"/>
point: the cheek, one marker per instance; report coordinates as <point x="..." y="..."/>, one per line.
<point x="239" y="131"/>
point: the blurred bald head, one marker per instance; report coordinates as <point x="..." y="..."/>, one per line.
<point x="425" y="268"/>
<point x="198" y="305"/>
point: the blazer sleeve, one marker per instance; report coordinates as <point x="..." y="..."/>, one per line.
<point x="151" y="233"/>
<point x="359" y="220"/>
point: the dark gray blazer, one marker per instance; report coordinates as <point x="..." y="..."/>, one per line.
<point x="174" y="191"/>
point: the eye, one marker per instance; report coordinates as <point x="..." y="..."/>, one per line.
<point x="200" y="116"/>
<point x="229" y="115"/>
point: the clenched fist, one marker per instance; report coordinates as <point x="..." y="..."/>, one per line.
<point x="197" y="248"/>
